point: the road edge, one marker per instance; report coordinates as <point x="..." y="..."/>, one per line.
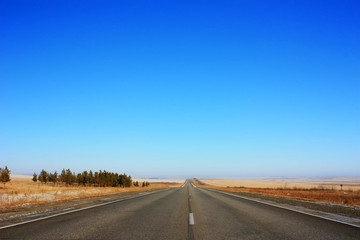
<point x="82" y="209"/>
<point x="274" y="205"/>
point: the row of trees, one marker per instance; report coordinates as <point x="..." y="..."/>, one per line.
<point x="144" y="184"/>
<point x="99" y="179"/>
<point x="4" y="175"/>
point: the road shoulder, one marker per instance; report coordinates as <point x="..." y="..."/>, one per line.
<point x="339" y="213"/>
<point x="31" y="213"/>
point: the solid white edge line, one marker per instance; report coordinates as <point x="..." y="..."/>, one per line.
<point x="273" y="205"/>
<point x="78" y="210"/>
<point x="191" y="219"/>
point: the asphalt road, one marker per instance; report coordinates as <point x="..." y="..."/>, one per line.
<point x="166" y="215"/>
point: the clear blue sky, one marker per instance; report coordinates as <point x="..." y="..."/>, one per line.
<point x="181" y="88"/>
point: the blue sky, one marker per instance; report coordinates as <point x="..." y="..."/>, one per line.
<point x="181" y="88"/>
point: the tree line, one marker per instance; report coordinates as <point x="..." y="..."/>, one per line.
<point x="144" y="184"/>
<point x="87" y="178"/>
<point x="4" y="175"/>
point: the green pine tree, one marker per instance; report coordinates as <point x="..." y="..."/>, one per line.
<point x="35" y="178"/>
<point x="43" y="176"/>
<point x="5" y="175"/>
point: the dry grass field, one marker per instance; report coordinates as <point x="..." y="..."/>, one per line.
<point x="305" y="183"/>
<point x="327" y="190"/>
<point x="21" y="192"/>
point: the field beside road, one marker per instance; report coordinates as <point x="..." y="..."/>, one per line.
<point x="319" y="190"/>
<point x="305" y="183"/>
<point x="21" y="191"/>
<point x="179" y="213"/>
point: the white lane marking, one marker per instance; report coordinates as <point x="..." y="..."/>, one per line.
<point x="193" y="185"/>
<point x="273" y="205"/>
<point x="78" y="210"/>
<point x="191" y="219"/>
<point x="68" y="209"/>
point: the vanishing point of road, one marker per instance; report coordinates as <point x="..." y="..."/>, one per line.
<point x="183" y="213"/>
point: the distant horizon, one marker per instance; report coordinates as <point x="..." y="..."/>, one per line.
<point x="219" y="177"/>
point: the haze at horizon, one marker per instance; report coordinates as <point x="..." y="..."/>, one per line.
<point x="160" y="89"/>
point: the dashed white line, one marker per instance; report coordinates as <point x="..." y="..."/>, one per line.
<point x="191" y="219"/>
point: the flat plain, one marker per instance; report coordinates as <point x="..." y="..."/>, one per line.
<point x="307" y="183"/>
<point x="186" y="212"/>
<point x="21" y="191"/>
<point x="316" y="189"/>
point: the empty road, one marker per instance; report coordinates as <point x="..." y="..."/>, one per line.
<point x="183" y="213"/>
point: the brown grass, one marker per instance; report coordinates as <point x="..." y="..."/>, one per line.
<point x="24" y="192"/>
<point x="319" y="194"/>
<point x="305" y="183"/>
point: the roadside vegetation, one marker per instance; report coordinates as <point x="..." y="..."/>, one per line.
<point x="23" y="192"/>
<point x="86" y="178"/>
<point x="4" y="175"/>
<point x="50" y="187"/>
<point x="318" y="194"/>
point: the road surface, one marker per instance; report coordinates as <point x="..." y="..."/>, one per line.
<point x="183" y="213"/>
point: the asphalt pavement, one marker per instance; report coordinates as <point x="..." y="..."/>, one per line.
<point x="183" y="213"/>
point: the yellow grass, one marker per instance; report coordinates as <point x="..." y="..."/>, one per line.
<point x="22" y="192"/>
<point x="306" y="191"/>
<point x="329" y="183"/>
